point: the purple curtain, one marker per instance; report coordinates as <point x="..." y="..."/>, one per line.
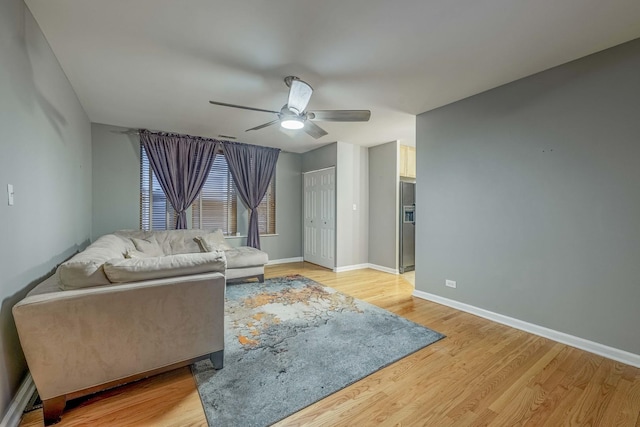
<point x="181" y="164"/>
<point x="252" y="168"/>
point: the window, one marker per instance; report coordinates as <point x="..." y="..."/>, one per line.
<point x="267" y="210"/>
<point x="156" y="213"/>
<point x="215" y="207"/>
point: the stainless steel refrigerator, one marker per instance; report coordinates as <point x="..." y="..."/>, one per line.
<point x="407" y="226"/>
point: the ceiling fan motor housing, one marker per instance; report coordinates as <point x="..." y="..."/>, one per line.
<point x="287" y="112"/>
<point x="291" y="120"/>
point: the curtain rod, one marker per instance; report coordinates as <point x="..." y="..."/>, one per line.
<point x="162" y="133"/>
<point x="179" y="135"/>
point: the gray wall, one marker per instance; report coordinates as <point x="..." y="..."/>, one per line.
<point x="288" y="242"/>
<point x="320" y="158"/>
<point x="116" y="190"/>
<point x="352" y="187"/>
<point x="529" y="197"/>
<point x="45" y="152"/>
<point x="116" y="180"/>
<point x="383" y="205"/>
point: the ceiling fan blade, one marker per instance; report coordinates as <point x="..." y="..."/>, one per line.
<point x="314" y="130"/>
<point x="273" y="122"/>
<point x="299" y="95"/>
<point x="224" y="104"/>
<point x="340" y="115"/>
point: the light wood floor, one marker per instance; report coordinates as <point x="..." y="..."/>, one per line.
<point x="410" y="276"/>
<point x="483" y="373"/>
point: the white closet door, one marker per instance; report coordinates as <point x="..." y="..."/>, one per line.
<point x="319" y="217"/>
<point x="311" y="232"/>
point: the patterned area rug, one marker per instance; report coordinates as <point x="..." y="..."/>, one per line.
<point x="291" y="342"/>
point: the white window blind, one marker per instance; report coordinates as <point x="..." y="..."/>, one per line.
<point x="214" y="208"/>
<point x="156" y="213"/>
<point x="267" y="210"/>
<point x="216" y="205"/>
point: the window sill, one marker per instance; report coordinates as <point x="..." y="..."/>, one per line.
<point x="244" y="236"/>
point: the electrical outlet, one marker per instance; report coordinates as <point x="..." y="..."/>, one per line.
<point x="450" y="283"/>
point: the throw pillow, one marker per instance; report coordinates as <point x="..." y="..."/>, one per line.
<point x="148" y="246"/>
<point x="213" y="241"/>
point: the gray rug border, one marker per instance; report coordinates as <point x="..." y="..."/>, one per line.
<point x="443" y="336"/>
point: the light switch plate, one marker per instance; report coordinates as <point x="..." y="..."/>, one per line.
<point x="10" y="194"/>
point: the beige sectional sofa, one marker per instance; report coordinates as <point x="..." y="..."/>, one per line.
<point x="131" y="305"/>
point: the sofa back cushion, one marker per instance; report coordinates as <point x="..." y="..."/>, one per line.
<point x="147" y="268"/>
<point x="148" y="247"/>
<point x="169" y="242"/>
<point x="175" y="242"/>
<point x="85" y="270"/>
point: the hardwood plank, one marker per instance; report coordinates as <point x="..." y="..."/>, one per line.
<point x="614" y="415"/>
<point x="483" y="373"/>
<point x="598" y="393"/>
<point x="520" y="407"/>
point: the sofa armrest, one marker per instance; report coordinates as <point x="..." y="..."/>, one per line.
<point x="74" y="340"/>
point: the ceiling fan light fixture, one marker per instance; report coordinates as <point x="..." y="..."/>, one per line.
<point x="292" y="123"/>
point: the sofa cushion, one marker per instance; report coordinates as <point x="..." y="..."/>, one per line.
<point x="245" y="256"/>
<point x="84" y="270"/>
<point x="134" y="253"/>
<point x="175" y="242"/>
<point x="213" y="242"/>
<point x="148" y="246"/>
<point x="136" y="269"/>
<point x="172" y="242"/>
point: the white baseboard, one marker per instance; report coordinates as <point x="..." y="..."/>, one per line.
<point x="350" y="268"/>
<point x="581" y="343"/>
<point x="383" y="268"/>
<point x="285" y="260"/>
<point x="338" y="269"/>
<point x="365" y="265"/>
<point x="19" y="402"/>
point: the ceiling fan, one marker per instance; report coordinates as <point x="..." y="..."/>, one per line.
<point x="293" y="115"/>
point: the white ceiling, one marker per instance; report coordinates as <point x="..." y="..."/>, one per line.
<point x="156" y="63"/>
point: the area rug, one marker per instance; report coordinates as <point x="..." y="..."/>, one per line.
<point x="290" y="342"/>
